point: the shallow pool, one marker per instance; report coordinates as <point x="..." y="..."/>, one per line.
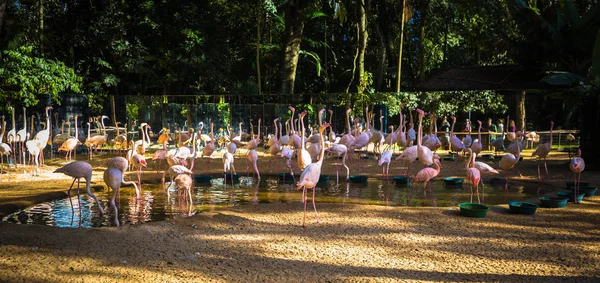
<point x="156" y="204"/>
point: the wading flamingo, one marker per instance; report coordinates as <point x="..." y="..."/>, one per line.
<point x="122" y="165"/>
<point x="428" y="173"/>
<point x="340" y="149"/>
<point x="474" y="175"/>
<point x="310" y="176"/>
<point x="253" y="158"/>
<point x="508" y="162"/>
<point x="113" y="178"/>
<point x="577" y="166"/>
<point x="477" y="146"/>
<point x="386" y="157"/>
<point x="542" y="152"/>
<point x="424" y="153"/>
<point x="70" y="144"/>
<point x="455" y="143"/>
<point x="78" y="170"/>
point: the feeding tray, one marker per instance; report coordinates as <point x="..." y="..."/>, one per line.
<point x="522" y="207"/>
<point x="587" y="191"/>
<point x="571" y="196"/>
<point x="285" y="178"/>
<point x="203" y="179"/>
<point x="553" y="202"/>
<point x="359" y="179"/>
<point x="453" y="181"/>
<point x="402" y="180"/>
<point x="470" y="209"/>
<point x="581" y="184"/>
<point x="487" y="156"/>
<point x="323" y="179"/>
<point x="229" y="176"/>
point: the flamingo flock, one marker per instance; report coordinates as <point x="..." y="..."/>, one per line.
<point x="307" y="145"/>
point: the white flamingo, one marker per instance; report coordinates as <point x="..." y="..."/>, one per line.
<point x="542" y="151"/>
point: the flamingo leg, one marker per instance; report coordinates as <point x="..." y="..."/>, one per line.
<point x="575" y="188"/>
<point x="304" y="200"/>
<point x="482" y="191"/>
<point x="314" y="205"/>
<point x="538" y="165"/>
<point x="506" y="182"/>
<point x="546" y="166"/>
<point x="79" y="202"/>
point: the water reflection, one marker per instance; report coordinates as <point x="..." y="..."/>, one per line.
<point x="157" y="204"/>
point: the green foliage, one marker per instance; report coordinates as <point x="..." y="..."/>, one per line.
<point x="25" y="77"/>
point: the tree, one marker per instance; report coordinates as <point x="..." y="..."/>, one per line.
<point x="24" y="77"/>
<point x="295" y="14"/>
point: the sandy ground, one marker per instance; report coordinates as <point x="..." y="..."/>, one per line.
<point x="268" y="243"/>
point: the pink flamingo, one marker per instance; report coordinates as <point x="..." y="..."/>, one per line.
<point x="508" y="162"/>
<point x="253" y="157"/>
<point x="113" y="179"/>
<point x="340" y="149"/>
<point x="348" y="138"/>
<point x="542" y="151"/>
<point x="577" y="165"/>
<point x="310" y="176"/>
<point x="425" y="154"/>
<point x="287" y="153"/>
<point x="408" y="155"/>
<point x="138" y="161"/>
<point x="474" y="175"/>
<point x="78" y="170"/>
<point x="477" y="146"/>
<point x="428" y="173"/>
<point x="122" y="165"/>
<point x="304" y="158"/>
<point x="386" y="157"/>
<point x="184" y="183"/>
<point x="174" y="171"/>
<point x="228" y="165"/>
<point x="70" y="144"/>
<point x="209" y="148"/>
<point x="455" y="143"/>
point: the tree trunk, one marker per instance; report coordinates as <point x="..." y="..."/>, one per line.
<point x="294" y="26"/>
<point x="520" y="109"/>
<point x="2" y="10"/>
<point x="348" y="94"/>
<point x="399" y="74"/>
<point x="259" y="16"/>
<point x="383" y="43"/>
<point x="363" y="39"/>
<point x="421" y="55"/>
<point x="112" y="108"/>
<point x="41" y="27"/>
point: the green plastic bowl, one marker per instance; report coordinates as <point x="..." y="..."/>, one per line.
<point x="522" y="207"/>
<point x="553" y="202"/>
<point x="359" y="179"/>
<point x="453" y="181"/>
<point x="202" y="179"/>
<point x="475" y="210"/>
<point x="571" y="196"/>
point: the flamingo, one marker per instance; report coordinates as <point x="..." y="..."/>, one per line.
<point x="314" y="139"/>
<point x="577" y="165"/>
<point x="209" y="148"/>
<point x="98" y="141"/>
<point x="174" y="171"/>
<point x="184" y="182"/>
<point x="4" y="147"/>
<point x="141" y="145"/>
<point x="386" y="157"/>
<point x="428" y="173"/>
<point x="411" y="137"/>
<point x="253" y="157"/>
<point x="377" y="136"/>
<point x="60" y="138"/>
<point x="409" y="155"/>
<point x="228" y="165"/>
<point x="474" y="175"/>
<point x="348" y="138"/>
<point x="287" y="153"/>
<point x="121" y="139"/>
<point x="22" y="136"/>
<point x="122" y="165"/>
<point x="70" y="144"/>
<point x="456" y="144"/>
<point x="432" y="142"/>
<point x="485" y="169"/>
<point x="304" y="158"/>
<point x="570" y="138"/>
<point x="477" y="146"/>
<point x="401" y="135"/>
<point x="44" y="135"/>
<point x="33" y="148"/>
<point x="340" y="149"/>
<point x="113" y="178"/>
<point x="424" y="153"/>
<point x="542" y="152"/>
<point x="78" y="170"/>
<point x="294" y="138"/>
<point x="254" y="141"/>
<point x="11" y="137"/>
<point x="310" y="176"/>
<point x="508" y="162"/>
<point x="332" y="135"/>
<point x="138" y="161"/>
